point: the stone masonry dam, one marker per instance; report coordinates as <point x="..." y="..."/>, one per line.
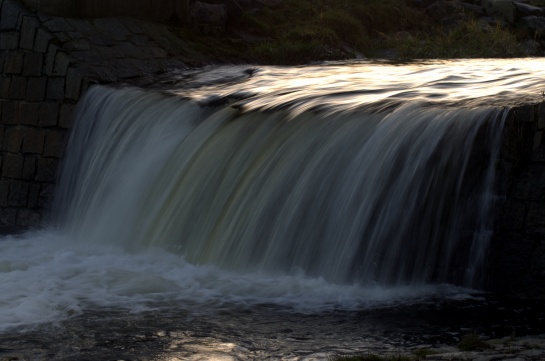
<point x="48" y="62"/>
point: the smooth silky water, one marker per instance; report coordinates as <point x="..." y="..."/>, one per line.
<point x="271" y="212"/>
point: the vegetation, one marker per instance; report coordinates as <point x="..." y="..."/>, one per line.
<point x="472" y="342"/>
<point x="302" y="31"/>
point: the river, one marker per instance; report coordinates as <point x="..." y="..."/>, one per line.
<point x="289" y="213"/>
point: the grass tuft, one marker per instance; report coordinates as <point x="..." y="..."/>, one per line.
<point x="472" y="342"/>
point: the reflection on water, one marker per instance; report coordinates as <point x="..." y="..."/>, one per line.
<point x="266" y="332"/>
<point x="357" y="84"/>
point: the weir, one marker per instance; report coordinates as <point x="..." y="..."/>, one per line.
<point x="384" y="186"/>
<point x="400" y="196"/>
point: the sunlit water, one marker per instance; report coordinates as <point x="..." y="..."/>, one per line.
<point x="270" y="212"/>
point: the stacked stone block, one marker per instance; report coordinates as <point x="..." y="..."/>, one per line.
<point x="517" y="260"/>
<point x="34" y="113"/>
<point x="46" y="64"/>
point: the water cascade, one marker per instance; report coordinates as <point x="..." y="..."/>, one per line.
<point x="398" y="194"/>
<point x="270" y="212"/>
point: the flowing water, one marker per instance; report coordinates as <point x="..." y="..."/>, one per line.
<point x="282" y="213"/>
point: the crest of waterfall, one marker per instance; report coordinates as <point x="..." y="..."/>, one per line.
<point x="398" y="195"/>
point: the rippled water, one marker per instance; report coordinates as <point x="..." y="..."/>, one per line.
<point x="345" y="86"/>
<point x="120" y="276"/>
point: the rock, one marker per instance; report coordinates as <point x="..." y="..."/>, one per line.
<point x="270" y="3"/>
<point x="535" y="25"/>
<point x="504" y="8"/>
<point x="443" y="9"/>
<point x="474" y="9"/>
<point x="209" y="19"/>
<point x="531" y="47"/>
<point x="527" y="10"/>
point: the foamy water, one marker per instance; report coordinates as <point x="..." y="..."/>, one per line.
<point x="47" y="278"/>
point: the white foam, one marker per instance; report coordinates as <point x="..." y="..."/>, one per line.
<point x="46" y="278"/>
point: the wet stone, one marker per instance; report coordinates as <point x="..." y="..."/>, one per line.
<point x="34" y="141"/>
<point x="65" y="115"/>
<point x="34" y="195"/>
<point x="76" y="45"/>
<point x="50" y="59"/>
<point x="109" y="52"/>
<point x="46" y="195"/>
<point x="48" y="114"/>
<point x="132" y="51"/>
<point x="62" y="61"/>
<point x="132" y="26"/>
<point x="8" y="216"/>
<point x="62" y="37"/>
<point x="85" y="56"/>
<point x="58" y="24"/>
<point x="510" y="215"/>
<point x="28" y="30"/>
<point x="54" y="144"/>
<point x="9" y="40"/>
<point x="13" y="63"/>
<point x="28" y="218"/>
<point x="29" y="113"/>
<point x="10" y="13"/>
<point x="75" y="35"/>
<point x="4" y="190"/>
<point x="5" y="83"/>
<point x="123" y="68"/>
<point x="42" y="41"/>
<point x="33" y="64"/>
<point x="10" y="112"/>
<point x="84" y="26"/>
<point x="36" y="88"/>
<point x="531" y="184"/>
<point x="17" y="89"/>
<point x="55" y="89"/>
<point x="12" y="166"/>
<point x="140" y="40"/>
<point x="536" y="216"/>
<point x="113" y="28"/>
<point x="100" y="39"/>
<point x="47" y="170"/>
<point x="29" y="168"/>
<point x="18" y="193"/>
<point x="73" y="84"/>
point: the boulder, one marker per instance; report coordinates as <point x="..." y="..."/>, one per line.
<point x="528" y="10"/>
<point x="535" y="25"/>
<point x="531" y="48"/>
<point x="503" y="8"/>
<point x="443" y="9"/>
<point x="209" y="19"/>
<point x="474" y="9"/>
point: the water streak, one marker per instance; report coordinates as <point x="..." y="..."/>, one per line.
<point x="350" y="196"/>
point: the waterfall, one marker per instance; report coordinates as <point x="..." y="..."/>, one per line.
<point x="372" y="195"/>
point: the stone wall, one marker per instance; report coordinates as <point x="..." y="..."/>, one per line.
<point x="161" y="10"/>
<point x="46" y="63"/>
<point x="517" y="259"/>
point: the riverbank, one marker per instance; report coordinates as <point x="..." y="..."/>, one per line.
<point x="292" y="32"/>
